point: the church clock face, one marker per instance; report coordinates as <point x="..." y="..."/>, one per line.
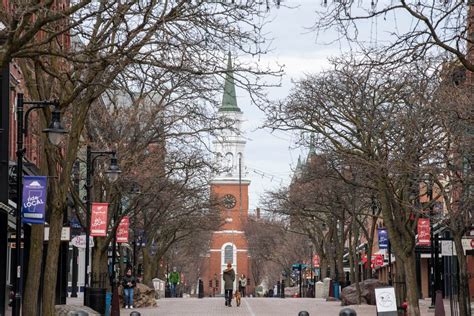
<point x="229" y="201"/>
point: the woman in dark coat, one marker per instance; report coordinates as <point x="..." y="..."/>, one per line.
<point x="128" y="283"/>
<point x="229" y="278"/>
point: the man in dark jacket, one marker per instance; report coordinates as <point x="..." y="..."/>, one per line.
<point x="229" y="278"/>
<point x="128" y="283"/>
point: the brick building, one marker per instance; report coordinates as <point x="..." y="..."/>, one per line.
<point x="228" y="243"/>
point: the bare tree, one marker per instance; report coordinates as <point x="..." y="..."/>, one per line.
<point x="451" y="175"/>
<point x="434" y="27"/>
<point x="381" y="121"/>
<point x="274" y="249"/>
<point x="108" y="38"/>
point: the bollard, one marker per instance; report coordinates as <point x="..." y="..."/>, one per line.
<point x="303" y="313"/>
<point x="347" y="312"/>
<point x="78" y="313"/>
<point x="135" y="313"/>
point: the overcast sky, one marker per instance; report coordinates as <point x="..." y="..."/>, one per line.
<point x="271" y="158"/>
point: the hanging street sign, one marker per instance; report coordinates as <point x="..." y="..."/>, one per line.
<point x="424" y="231"/>
<point x="99" y="219"/>
<point x="34" y="199"/>
<point x="383" y="238"/>
<point x="122" y="230"/>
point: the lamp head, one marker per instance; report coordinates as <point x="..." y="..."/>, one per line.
<point x="114" y="171"/>
<point x="55" y="129"/>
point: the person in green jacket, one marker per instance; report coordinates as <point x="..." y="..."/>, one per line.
<point x="174" y="279"/>
<point x="229" y="278"/>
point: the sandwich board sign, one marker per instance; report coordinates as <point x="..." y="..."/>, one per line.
<point x="386" y="301"/>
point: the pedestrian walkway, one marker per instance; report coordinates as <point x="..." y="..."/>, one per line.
<point x="255" y="307"/>
<point x="249" y="307"/>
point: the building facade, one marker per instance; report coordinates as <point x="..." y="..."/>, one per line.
<point x="230" y="187"/>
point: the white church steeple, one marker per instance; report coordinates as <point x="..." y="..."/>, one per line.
<point x="229" y="144"/>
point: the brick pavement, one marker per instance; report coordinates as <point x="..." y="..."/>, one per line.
<point x="260" y="307"/>
<point x="255" y="307"/>
<point x="249" y="307"/>
<point x="252" y="307"/>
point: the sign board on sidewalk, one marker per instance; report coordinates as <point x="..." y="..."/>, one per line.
<point x="80" y="241"/>
<point x="386" y="301"/>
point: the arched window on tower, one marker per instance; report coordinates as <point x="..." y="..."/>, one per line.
<point x="229" y="254"/>
<point x="229" y="162"/>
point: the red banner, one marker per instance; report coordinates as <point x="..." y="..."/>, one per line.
<point x="424" y="232"/>
<point x="99" y="219"/>
<point x="379" y="260"/>
<point x="316" y="261"/>
<point x="122" y="230"/>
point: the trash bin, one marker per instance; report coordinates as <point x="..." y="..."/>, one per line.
<point x="336" y="290"/>
<point x="201" y="289"/>
<point x="108" y="303"/>
<point x="95" y="299"/>
<point x="167" y="291"/>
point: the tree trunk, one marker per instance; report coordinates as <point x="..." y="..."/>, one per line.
<point x="323" y="266"/>
<point x="353" y="247"/>
<point x="50" y="271"/>
<point x="463" y="295"/>
<point x="34" y="271"/>
<point x="100" y="275"/>
<point x="147" y="266"/>
<point x="410" y="279"/>
<point x="368" y="269"/>
<point x="332" y="266"/>
<point x="150" y="266"/>
<point x="351" y="259"/>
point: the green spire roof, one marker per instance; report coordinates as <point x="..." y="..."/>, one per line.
<point x="298" y="164"/>
<point x="312" y="146"/>
<point x="229" y="100"/>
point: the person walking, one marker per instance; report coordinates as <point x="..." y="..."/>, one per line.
<point x="229" y="278"/>
<point x="174" y="281"/>
<point x="128" y="283"/>
<point x="243" y="284"/>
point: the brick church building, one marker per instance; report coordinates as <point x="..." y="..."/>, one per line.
<point x="228" y="243"/>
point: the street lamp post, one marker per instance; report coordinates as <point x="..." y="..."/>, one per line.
<point x="54" y="131"/>
<point x="312" y="283"/>
<point x="113" y="173"/>
<point x="115" y="308"/>
<point x="434" y="255"/>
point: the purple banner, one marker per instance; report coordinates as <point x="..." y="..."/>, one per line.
<point x="34" y="199"/>
<point x="383" y="238"/>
